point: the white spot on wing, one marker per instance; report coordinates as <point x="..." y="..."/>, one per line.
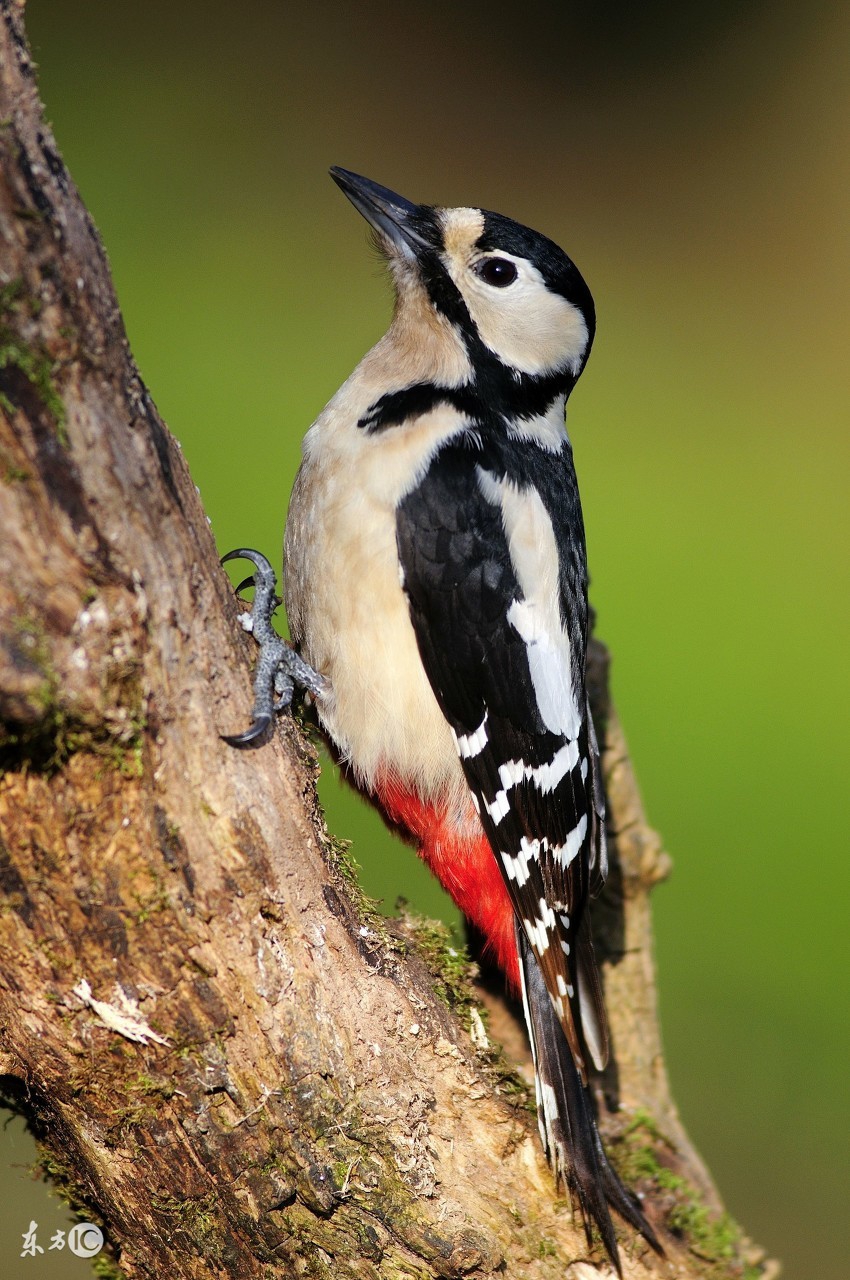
<point x="567" y="851"/>
<point x="499" y="807"/>
<point x="547" y="915"/>
<point x="471" y="744"/>
<point x="545" y="776"/>
<point x="512" y="773"/>
<point x="517" y="867"/>
<point x="537" y="935"/>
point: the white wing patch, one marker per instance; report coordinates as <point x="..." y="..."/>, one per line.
<point x="549" y="664"/>
<point x="536" y="615"/>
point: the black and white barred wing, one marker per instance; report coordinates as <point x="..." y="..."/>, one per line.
<point x="485" y="578"/>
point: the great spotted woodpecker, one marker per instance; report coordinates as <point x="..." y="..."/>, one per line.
<point x="436" y="587"/>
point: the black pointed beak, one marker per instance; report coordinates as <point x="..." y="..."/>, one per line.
<point x="388" y="213"/>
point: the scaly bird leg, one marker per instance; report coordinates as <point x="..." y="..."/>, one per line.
<point x="279" y="667"/>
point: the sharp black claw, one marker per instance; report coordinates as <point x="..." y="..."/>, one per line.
<point x="247" y="553"/>
<point x="246" y="582"/>
<point x="279" y="668"/>
<point x="257" y="729"/>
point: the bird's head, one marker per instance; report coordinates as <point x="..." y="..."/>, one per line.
<point x="512" y="295"/>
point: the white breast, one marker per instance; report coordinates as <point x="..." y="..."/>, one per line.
<point x="344" y="599"/>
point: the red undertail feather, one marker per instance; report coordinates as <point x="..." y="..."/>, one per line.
<point x="463" y="862"/>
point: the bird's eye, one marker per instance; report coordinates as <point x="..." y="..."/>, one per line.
<point x="498" y="272"/>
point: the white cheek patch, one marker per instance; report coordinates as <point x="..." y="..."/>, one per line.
<point x="528" y="326"/>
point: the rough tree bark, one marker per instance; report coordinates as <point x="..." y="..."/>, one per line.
<point x="230" y="1061"/>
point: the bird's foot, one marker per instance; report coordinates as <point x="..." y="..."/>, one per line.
<point x="279" y="667"/>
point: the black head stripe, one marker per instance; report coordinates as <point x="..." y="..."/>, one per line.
<point x="443" y="292"/>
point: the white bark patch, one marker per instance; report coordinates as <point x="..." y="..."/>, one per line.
<point x="123" y="1016"/>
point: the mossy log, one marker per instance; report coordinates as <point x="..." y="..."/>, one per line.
<point x="230" y="1061"/>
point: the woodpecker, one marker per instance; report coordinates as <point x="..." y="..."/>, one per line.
<point x="435" y="583"/>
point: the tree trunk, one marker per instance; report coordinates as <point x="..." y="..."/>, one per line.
<point x="231" y="1061"/>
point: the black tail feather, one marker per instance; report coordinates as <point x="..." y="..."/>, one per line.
<point x="567" y="1123"/>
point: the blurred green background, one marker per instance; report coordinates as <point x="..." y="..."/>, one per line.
<point x="693" y="160"/>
